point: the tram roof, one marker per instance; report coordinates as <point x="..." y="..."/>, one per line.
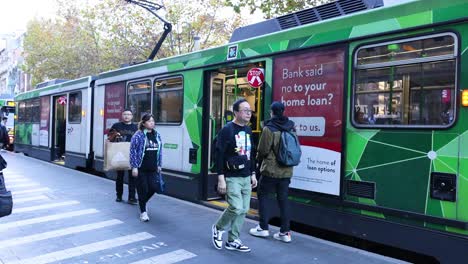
<point x="73" y="84"/>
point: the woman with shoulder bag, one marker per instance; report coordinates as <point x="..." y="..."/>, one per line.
<point x="145" y="160"/>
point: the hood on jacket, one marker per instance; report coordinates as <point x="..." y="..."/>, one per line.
<point x="281" y="123"/>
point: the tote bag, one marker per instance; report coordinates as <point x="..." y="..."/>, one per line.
<point x="117" y="156"/>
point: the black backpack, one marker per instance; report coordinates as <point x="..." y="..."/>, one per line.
<point x="213" y="147"/>
<point x="289" y="150"/>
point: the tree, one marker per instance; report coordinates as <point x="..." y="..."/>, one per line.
<point x="86" y="40"/>
<point x="274" y="8"/>
<point x="51" y="53"/>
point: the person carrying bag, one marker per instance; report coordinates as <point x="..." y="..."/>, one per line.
<point x="146" y="160"/>
<point x="117" y="155"/>
<point x="6" y="199"/>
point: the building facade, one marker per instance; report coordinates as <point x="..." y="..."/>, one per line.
<point x="13" y="79"/>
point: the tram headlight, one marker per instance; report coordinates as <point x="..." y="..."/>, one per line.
<point x="465" y="98"/>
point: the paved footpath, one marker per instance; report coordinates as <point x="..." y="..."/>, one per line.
<point x="66" y="216"/>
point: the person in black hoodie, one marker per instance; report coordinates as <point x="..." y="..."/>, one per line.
<point x="275" y="178"/>
<point x="126" y="128"/>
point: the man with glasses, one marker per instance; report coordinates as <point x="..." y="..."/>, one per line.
<point x="235" y="165"/>
<point x="126" y="128"/>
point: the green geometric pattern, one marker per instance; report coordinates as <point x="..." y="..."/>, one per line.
<point x="400" y="163"/>
<point x="23" y="133"/>
<point x="193" y="106"/>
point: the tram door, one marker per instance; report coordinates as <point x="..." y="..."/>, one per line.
<point x="60" y="124"/>
<point x="217" y="121"/>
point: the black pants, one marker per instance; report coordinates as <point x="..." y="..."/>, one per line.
<point x="270" y="186"/>
<point x="145" y="187"/>
<point x="119" y="183"/>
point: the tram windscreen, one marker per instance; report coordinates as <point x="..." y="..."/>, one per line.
<point x="9" y="112"/>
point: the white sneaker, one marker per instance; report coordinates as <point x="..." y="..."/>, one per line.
<point x="285" y="237"/>
<point x="259" y="232"/>
<point x="144" y="217"/>
<point x="237" y="245"/>
<point x="217" y="237"/>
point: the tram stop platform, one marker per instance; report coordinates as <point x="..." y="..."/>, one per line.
<point x="67" y="216"/>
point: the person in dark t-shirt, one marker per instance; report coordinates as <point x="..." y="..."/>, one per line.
<point x="235" y="163"/>
<point x="126" y="128"/>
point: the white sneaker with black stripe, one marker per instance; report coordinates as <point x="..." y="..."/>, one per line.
<point x="237" y="245"/>
<point x="217" y="237"/>
<point x="259" y="232"/>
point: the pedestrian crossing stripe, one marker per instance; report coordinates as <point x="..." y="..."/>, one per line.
<point x="16" y="180"/>
<point x="22" y="185"/>
<point x="42" y="207"/>
<point x="30" y="199"/>
<point x="43" y="219"/>
<point x="30" y="191"/>
<point x="168" y="258"/>
<point x="57" y="233"/>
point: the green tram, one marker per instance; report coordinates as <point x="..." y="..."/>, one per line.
<point x="7" y="109"/>
<point x="378" y="93"/>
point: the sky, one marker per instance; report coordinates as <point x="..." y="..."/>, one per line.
<point x="14" y="14"/>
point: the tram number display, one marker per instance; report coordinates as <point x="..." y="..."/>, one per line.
<point x="311" y="85"/>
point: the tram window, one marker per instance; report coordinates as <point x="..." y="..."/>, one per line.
<point x="400" y="51"/>
<point x="407" y="86"/>
<point x="168" y="100"/>
<point x="22" y="111"/>
<point x="74" y="108"/>
<point x="29" y="111"/>
<point x="35" y="108"/>
<point x="139" y="98"/>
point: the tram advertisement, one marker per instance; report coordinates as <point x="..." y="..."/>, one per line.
<point x="44" y="125"/>
<point x="114" y="104"/>
<point x="310" y="85"/>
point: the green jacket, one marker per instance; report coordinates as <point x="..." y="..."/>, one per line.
<point x="267" y="147"/>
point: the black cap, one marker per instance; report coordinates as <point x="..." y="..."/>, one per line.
<point x="277" y="108"/>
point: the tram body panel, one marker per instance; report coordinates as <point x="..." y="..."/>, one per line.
<point x="174" y="146"/>
<point x="462" y="181"/>
<point x="98" y="124"/>
<point x="35" y="134"/>
<point x="77" y="129"/>
<point x="45" y="136"/>
<point x="75" y="143"/>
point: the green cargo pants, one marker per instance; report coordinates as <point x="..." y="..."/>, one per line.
<point x="238" y="193"/>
